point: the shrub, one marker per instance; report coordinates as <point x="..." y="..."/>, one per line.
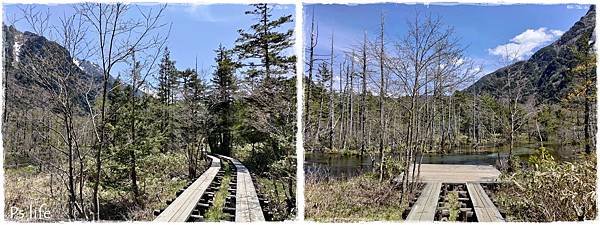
<point x="546" y="190"/>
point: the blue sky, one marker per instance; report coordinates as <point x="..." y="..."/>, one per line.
<point x="483" y="29"/>
<point x="197" y="30"/>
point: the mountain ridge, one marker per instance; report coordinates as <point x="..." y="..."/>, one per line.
<point x="545" y="73"/>
<point x="29" y="59"/>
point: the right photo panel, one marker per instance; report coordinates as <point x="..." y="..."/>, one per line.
<point x="450" y="112"/>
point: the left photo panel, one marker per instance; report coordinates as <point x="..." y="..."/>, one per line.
<point x="149" y="112"/>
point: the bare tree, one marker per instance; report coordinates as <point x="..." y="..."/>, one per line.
<point x="411" y="61"/>
<point x="331" y="96"/>
<point x="314" y="37"/>
<point x="118" y="37"/>
<point x="38" y="20"/>
<point x="382" y="94"/>
<point x="512" y="95"/>
<point x="363" y="100"/>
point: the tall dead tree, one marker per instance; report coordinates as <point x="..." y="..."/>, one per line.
<point x="363" y="100"/>
<point x="314" y="34"/>
<point x="348" y="103"/>
<point x="331" y="96"/>
<point x="382" y="94"/>
<point x="342" y="111"/>
<point x="351" y="126"/>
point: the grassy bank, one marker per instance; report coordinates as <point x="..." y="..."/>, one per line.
<point x="361" y="198"/>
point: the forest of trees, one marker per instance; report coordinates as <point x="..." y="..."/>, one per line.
<point x="117" y="146"/>
<point x="396" y="99"/>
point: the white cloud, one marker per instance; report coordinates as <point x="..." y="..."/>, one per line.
<point x="201" y="12"/>
<point x="282" y="7"/>
<point x="577" y="7"/>
<point x="524" y="44"/>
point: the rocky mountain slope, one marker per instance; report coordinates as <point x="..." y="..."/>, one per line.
<point x="545" y="75"/>
<point x="29" y="61"/>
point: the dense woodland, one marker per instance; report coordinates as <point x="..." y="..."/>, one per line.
<point x="394" y="99"/>
<point x="118" y="143"/>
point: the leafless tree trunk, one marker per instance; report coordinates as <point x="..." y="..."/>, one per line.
<point x="363" y="100"/>
<point x="118" y="37"/>
<point x="331" y="96"/>
<point x="382" y="94"/>
<point x="314" y="35"/>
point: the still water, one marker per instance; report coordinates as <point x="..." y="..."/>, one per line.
<point x="340" y="165"/>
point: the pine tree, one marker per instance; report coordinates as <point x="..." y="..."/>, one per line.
<point x="584" y="70"/>
<point x="165" y="74"/>
<point x="265" y="44"/>
<point x="194" y="111"/>
<point x="222" y="99"/>
<point x="167" y="85"/>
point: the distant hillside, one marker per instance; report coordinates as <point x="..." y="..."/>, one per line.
<point x="546" y="72"/>
<point x="26" y="54"/>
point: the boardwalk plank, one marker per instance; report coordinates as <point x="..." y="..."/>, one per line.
<point x="456" y="173"/>
<point x="425" y="207"/>
<point x="181" y="208"/>
<point x="485" y="210"/>
<point x="436" y="174"/>
<point x="247" y="206"/>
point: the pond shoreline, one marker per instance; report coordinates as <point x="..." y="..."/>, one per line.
<point x="349" y="164"/>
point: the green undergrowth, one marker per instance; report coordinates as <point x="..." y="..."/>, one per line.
<point x="276" y="192"/>
<point x="546" y="190"/>
<point x="215" y="212"/>
<point x="453" y="205"/>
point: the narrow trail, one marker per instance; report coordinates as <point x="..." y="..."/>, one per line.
<point x="241" y="202"/>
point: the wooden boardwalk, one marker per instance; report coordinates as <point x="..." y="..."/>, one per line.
<point x="181" y="208"/>
<point x="433" y="175"/>
<point x="247" y="205"/>
<point x="425" y="207"/>
<point x="485" y="210"/>
<point x="446" y="173"/>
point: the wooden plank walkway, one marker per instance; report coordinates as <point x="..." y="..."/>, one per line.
<point x="247" y="205"/>
<point x="425" y="207"/>
<point x="447" y="173"/>
<point x="433" y="175"/>
<point x="181" y="208"/>
<point x="485" y="210"/>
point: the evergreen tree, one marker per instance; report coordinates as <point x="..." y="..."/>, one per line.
<point x="584" y="71"/>
<point x="194" y="112"/>
<point x="167" y="86"/>
<point x="266" y="44"/>
<point x="222" y="100"/>
<point x="269" y="106"/>
<point x="165" y="77"/>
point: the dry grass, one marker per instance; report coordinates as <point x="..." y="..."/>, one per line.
<point x="361" y="198"/>
<point x="25" y="187"/>
<point x="160" y="178"/>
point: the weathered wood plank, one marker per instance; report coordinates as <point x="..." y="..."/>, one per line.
<point x="446" y="173"/>
<point x="425" y="207"/>
<point x="247" y="206"/>
<point x="181" y="208"/>
<point x="485" y="210"/>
